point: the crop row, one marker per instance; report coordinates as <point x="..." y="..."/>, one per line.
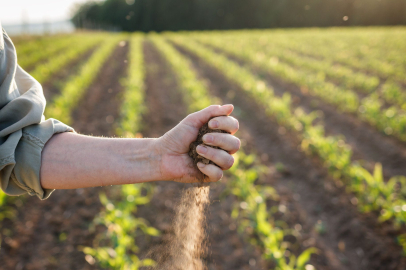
<point x="344" y="76"/>
<point x="374" y="50"/>
<point x="372" y="192"/>
<point x="390" y="91"/>
<point x="362" y="52"/>
<point x="391" y="121"/>
<point x="46" y="70"/>
<point x="73" y="90"/>
<point x="119" y="216"/>
<point x="25" y="47"/>
<point x="251" y="197"/>
<point x="27" y="61"/>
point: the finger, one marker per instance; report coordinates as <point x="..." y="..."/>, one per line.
<point x="199" y="118"/>
<point x="218" y="156"/>
<point x="212" y="172"/>
<point x="225" y="141"/>
<point x="226" y="123"/>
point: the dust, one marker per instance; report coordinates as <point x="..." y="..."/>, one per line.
<point x="187" y="245"/>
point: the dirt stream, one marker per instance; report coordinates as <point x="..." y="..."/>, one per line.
<point x="350" y="240"/>
<point x="225" y="248"/>
<point x="47" y="234"/>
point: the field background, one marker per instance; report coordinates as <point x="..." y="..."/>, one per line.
<point x="321" y="175"/>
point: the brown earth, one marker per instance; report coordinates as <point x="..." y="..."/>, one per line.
<point x="350" y="240"/>
<point x="381" y="77"/>
<point x="48" y="234"/>
<point x="227" y="249"/>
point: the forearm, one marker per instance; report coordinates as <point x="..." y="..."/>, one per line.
<point x="75" y="161"/>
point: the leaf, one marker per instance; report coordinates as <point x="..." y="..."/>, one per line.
<point x="89" y="251"/>
<point x="152" y="231"/>
<point x="141" y="200"/>
<point x="305" y="257"/>
<point x="148" y="262"/>
<point x="378" y="175"/>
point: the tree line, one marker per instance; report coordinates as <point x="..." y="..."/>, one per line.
<point x="175" y="15"/>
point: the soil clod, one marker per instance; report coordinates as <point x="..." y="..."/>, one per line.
<point x="192" y="148"/>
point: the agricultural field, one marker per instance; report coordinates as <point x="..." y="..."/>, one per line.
<point x="320" y="181"/>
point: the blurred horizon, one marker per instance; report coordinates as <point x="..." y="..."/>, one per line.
<point x="50" y="17"/>
<point x="18" y="12"/>
<point x="41" y="28"/>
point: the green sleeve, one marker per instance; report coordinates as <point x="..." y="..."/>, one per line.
<point x="23" y="129"/>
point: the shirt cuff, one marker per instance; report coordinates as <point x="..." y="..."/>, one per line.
<point x="26" y="173"/>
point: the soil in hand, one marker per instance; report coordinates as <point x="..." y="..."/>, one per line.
<point x="192" y="148"/>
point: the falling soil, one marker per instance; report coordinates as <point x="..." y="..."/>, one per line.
<point x="186" y="247"/>
<point x="192" y="148"/>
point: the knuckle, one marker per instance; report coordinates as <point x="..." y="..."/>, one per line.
<point x="220" y="140"/>
<point x="216" y="139"/>
<point x="210" y="154"/>
<point x="191" y="117"/>
<point x="214" y="107"/>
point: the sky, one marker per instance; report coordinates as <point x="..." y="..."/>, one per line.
<point x="35" y="11"/>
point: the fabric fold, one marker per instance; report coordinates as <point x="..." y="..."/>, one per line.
<point x="23" y="129"/>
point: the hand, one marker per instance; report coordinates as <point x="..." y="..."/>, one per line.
<point x="173" y="147"/>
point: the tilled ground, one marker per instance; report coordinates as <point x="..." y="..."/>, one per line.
<point x="347" y="240"/>
<point x="48" y="234"/>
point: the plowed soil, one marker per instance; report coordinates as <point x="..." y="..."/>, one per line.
<point x="350" y="240"/>
<point x="47" y="234"/>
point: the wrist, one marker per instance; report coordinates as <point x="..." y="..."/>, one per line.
<point x="156" y="153"/>
<point x="160" y="157"/>
<point x="143" y="161"/>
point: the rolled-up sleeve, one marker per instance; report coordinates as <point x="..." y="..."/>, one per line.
<point x="23" y="129"/>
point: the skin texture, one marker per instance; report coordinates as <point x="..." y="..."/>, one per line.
<point x="71" y="160"/>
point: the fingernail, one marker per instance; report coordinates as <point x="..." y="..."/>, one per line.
<point x="201" y="149"/>
<point x="201" y="165"/>
<point x="208" y="138"/>
<point x="213" y="124"/>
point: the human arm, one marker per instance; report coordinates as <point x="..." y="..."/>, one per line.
<point x="76" y="161"/>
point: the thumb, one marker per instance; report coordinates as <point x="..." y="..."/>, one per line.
<point x="199" y="118"/>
